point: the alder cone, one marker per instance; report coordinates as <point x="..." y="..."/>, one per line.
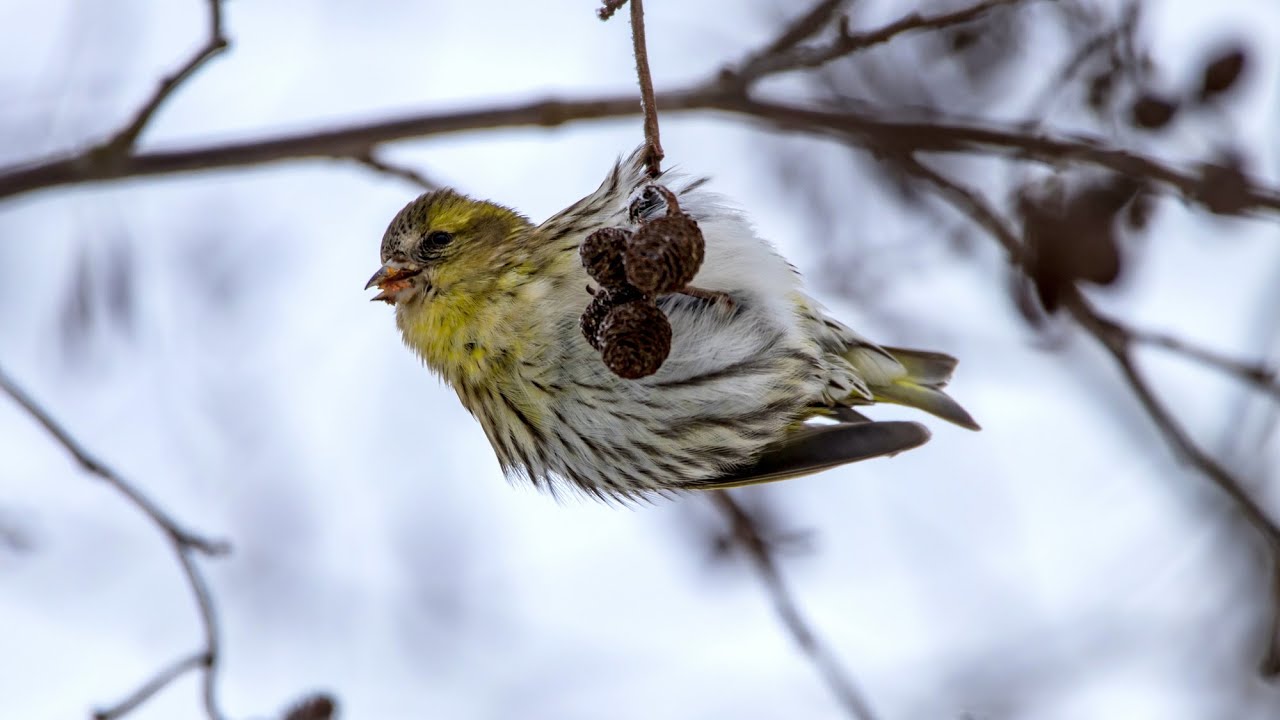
<point x="664" y="255"/>
<point x="601" y="254"/>
<point x="605" y="300"/>
<point x="635" y="339"/>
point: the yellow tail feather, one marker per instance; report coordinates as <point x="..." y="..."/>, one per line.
<point x="921" y="388"/>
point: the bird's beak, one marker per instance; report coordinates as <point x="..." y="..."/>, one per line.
<point x="391" y="279"/>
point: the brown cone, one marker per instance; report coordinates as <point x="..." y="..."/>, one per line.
<point x="601" y="254"/>
<point x="635" y="339"/>
<point x="664" y="255"/>
<point x="605" y="300"/>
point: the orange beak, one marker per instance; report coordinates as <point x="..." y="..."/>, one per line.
<point x="391" y="279"/>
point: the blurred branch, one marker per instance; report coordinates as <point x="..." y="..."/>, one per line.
<point x="184" y="543"/>
<point x="856" y="128"/>
<point x="1119" y="341"/>
<point x="1106" y="39"/>
<point x="801" y="29"/>
<point x="386" y="167"/>
<point x="859" y="129"/>
<point x="155" y="684"/>
<point x="758" y="550"/>
<point x="1218" y="187"/>
<point x="878" y="136"/>
<point x="124" y="140"/>
<point x="1263" y="378"/>
<point x="784" y="54"/>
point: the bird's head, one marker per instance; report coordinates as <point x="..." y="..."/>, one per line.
<point x="445" y="242"/>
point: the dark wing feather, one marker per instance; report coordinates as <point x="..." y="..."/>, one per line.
<point x="814" y="448"/>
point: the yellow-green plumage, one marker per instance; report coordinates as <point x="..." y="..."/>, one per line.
<point x="491" y="303"/>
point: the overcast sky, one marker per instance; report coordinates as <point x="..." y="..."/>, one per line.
<point x="207" y="336"/>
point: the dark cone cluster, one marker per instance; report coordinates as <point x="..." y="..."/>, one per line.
<point x="660" y="257"/>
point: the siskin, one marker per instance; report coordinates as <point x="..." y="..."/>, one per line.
<point x="491" y="303"/>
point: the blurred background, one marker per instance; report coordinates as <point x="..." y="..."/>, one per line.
<point x="206" y="335"/>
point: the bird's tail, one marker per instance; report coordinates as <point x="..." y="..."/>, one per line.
<point x="921" y="387"/>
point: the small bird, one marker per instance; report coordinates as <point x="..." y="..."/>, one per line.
<point x="760" y="383"/>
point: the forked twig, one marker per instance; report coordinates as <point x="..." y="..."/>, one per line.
<point x="122" y="142"/>
<point x="1118" y="342"/>
<point x="1263" y="378"/>
<point x="837" y="678"/>
<point x="184" y="544"/>
<point x="372" y="161"/>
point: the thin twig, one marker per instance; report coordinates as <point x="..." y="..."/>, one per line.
<point x="1263" y="378"/>
<point x="801" y="29"/>
<point x="184" y="544"/>
<point x="970" y="203"/>
<point x="1118" y="342"/>
<point x="1063" y="78"/>
<point x="373" y="162"/>
<point x="653" y="145"/>
<point x="837" y="678"/>
<point x="157" y="683"/>
<point x="772" y="61"/>
<point x="123" y="141"/>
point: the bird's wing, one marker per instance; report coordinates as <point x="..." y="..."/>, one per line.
<point x="814" y="448"/>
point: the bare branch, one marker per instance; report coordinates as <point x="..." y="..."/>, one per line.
<point x="1263" y="378"/>
<point x="1062" y="79"/>
<point x="184" y="544"/>
<point x="757" y="549"/>
<point x="779" y="56"/>
<point x="1118" y="341"/>
<point x="653" y="145"/>
<point x="801" y="29"/>
<point x="971" y="204"/>
<point x="373" y="162"/>
<point x="860" y="129"/>
<point x="157" y="683"/>
<point x="122" y="142"/>
<point x="885" y="136"/>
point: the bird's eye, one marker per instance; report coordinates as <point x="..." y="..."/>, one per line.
<point x="440" y="238"/>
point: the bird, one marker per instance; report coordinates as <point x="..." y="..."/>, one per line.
<point x="761" y="383"/>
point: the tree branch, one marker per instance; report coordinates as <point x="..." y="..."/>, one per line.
<point x="184" y="544"/>
<point x="1119" y="341"/>
<point x="372" y="161"/>
<point x="858" y="128"/>
<point x="780" y="57"/>
<point x="757" y="549"/>
<point x="1263" y="378"/>
<point x="122" y="142"/>
<point x="879" y="136"/>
